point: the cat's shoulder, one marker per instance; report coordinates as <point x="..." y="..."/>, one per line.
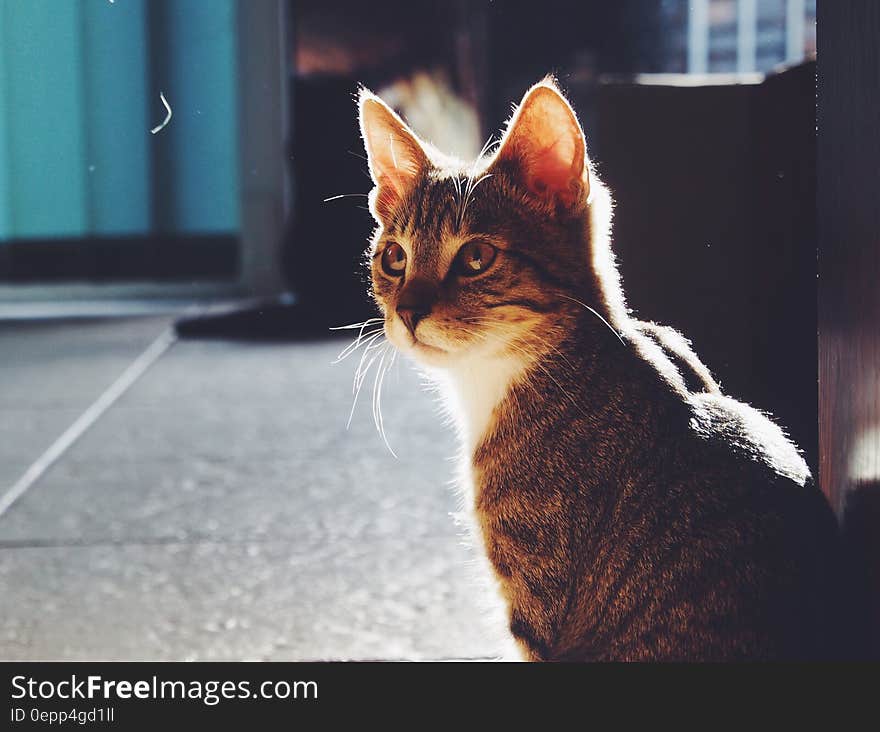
<point x="679" y="351"/>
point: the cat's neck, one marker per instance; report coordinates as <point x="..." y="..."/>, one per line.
<point x="474" y="387"/>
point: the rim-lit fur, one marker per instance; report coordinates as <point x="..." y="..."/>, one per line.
<point x="629" y="510"/>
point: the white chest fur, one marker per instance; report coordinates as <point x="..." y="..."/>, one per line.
<point x="474" y="388"/>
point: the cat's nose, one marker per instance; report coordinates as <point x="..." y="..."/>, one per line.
<point x="415" y="302"/>
<point x="411" y="317"/>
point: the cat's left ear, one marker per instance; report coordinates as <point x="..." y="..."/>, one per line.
<point x="394" y="154"/>
<point x="544" y="145"/>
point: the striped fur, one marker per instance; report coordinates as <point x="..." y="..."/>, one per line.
<point x="630" y="510"/>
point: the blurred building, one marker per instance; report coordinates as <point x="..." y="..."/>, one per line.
<point x="724" y="36"/>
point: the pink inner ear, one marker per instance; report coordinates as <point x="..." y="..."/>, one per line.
<point x="546" y="143"/>
<point x="389" y="194"/>
<point x="552" y="168"/>
<point x="396" y="159"/>
<point x="393" y="181"/>
<point x="398" y="179"/>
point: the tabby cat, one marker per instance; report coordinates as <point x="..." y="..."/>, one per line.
<point x="629" y="509"/>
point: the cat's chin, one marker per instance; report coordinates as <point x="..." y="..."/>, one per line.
<point x="429" y="355"/>
<point x="419" y="350"/>
<point x="423" y="353"/>
<point x="426" y="354"/>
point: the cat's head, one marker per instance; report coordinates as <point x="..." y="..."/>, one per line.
<point x="486" y="257"/>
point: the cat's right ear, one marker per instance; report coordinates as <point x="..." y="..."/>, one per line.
<point x="395" y="157"/>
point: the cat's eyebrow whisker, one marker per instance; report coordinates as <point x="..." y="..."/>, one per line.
<point x="459" y="213"/>
<point x="480" y="180"/>
<point x="471" y="185"/>
<point x="484" y="149"/>
<point x="470" y="190"/>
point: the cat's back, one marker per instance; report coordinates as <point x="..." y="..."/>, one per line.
<point x="743" y="485"/>
<point x="741" y="538"/>
<point x="770" y="529"/>
<point x="685" y="414"/>
<point x="731" y="456"/>
<point x="746" y="434"/>
<point x="687" y="522"/>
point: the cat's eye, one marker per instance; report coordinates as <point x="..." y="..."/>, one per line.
<point x="474" y="257"/>
<point x="394" y="260"/>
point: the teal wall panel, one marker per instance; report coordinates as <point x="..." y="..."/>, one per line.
<point x="196" y="60"/>
<point x="5" y="162"/>
<point x="79" y="92"/>
<point x="117" y="117"/>
<point x="45" y="113"/>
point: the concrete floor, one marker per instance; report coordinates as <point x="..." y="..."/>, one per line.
<point x="220" y="509"/>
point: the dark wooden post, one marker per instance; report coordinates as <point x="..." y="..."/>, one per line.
<point x="849" y="282"/>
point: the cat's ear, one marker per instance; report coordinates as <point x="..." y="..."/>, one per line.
<point x="394" y="154"/>
<point x="544" y="144"/>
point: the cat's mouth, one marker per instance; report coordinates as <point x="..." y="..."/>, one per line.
<point x="422" y="347"/>
<point x="427" y="353"/>
<point x="418" y="344"/>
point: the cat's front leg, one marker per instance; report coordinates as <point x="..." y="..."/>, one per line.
<point x="534" y="581"/>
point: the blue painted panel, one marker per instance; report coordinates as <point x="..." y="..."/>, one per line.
<point x="201" y="164"/>
<point x="118" y="108"/>
<point x="79" y="92"/>
<point x="43" y="103"/>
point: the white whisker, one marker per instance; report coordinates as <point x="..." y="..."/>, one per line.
<point x="377" y="398"/>
<point x="594" y="312"/>
<point x="382" y="356"/>
<point x="361" y="338"/>
<point x="470" y="190"/>
<point x="357" y="343"/>
<point x="485" y="148"/>
<point x="459" y="213"/>
<point x="379" y="403"/>
<point x="345" y="195"/>
<point x="351" y="326"/>
<point x="471" y="185"/>
<point x="358" y="378"/>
